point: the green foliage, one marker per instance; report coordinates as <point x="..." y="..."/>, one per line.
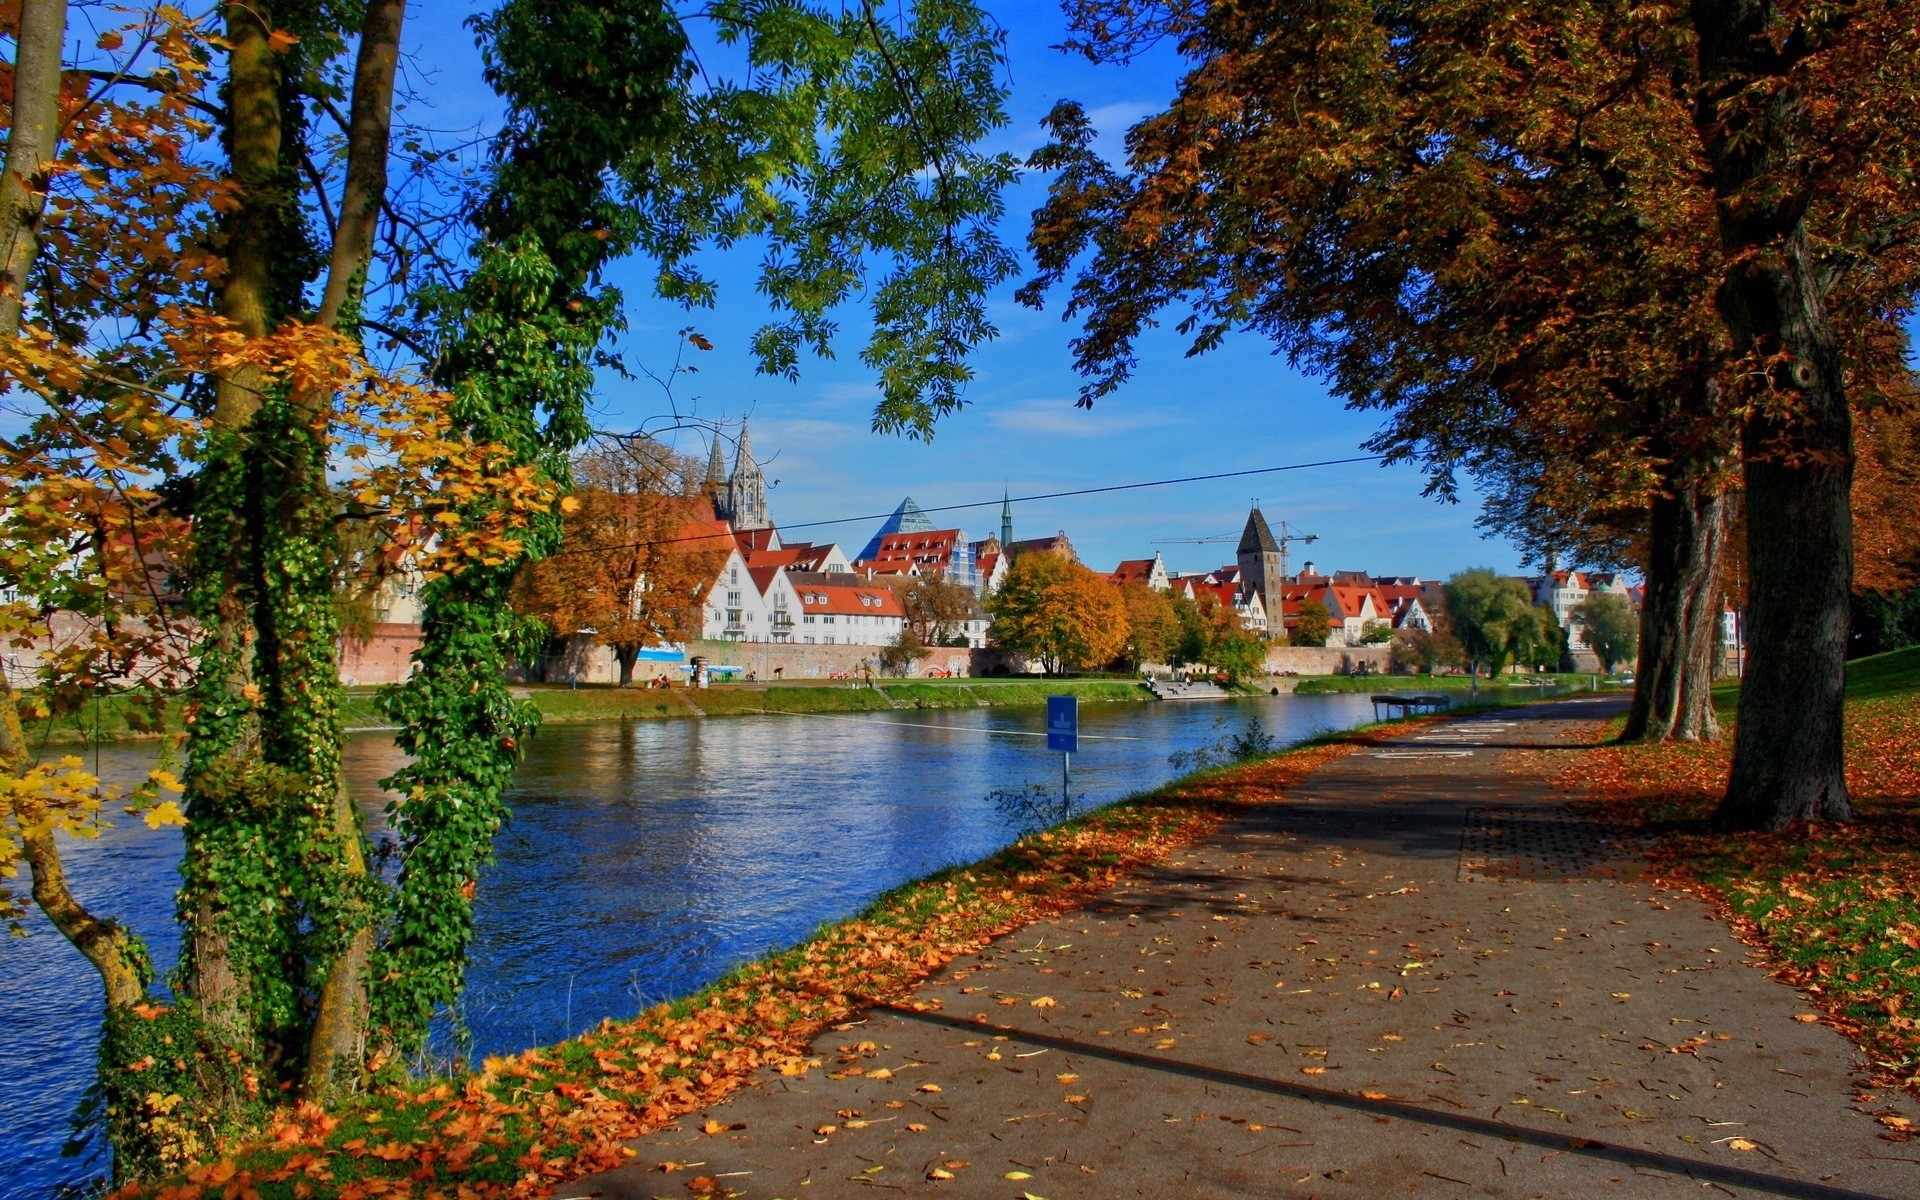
<point x="853" y="133"/>
<point x="1610" y="626"/>
<point x="899" y="656"/>
<point x="1312" y="625"/>
<point x="168" y="1090"/>
<point x="586" y="86"/>
<point x="1493" y="617"/>
<point x="1238" y="655"/>
<point x="1376" y="633"/>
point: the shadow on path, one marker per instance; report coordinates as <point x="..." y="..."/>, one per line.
<point x="1758" y="1181"/>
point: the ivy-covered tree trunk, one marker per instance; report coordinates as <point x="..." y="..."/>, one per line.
<point x="1680" y="617"/>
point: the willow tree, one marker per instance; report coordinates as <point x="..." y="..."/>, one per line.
<point x="1510" y="229"/>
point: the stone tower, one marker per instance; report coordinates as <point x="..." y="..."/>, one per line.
<point x="747" y="488"/>
<point x="1260" y="569"/>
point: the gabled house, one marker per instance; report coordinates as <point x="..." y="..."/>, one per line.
<point x="933" y="553"/>
<point x="1150" y="571"/>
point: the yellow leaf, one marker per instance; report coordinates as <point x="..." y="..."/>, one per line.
<point x="1044" y="1002"/>
<point x="1016" y="1175"/>
<point x="280" y="41"/>
<point x="1740" y="1143"/>
<point x="166" y="813"/>
<point x="569" y="504"/>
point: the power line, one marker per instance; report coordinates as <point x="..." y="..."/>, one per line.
<point x="1092" y="491"/>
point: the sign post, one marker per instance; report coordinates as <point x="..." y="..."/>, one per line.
<point x="1063" y="734"/>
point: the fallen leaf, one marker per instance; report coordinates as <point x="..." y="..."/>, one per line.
<point x="939" y="1173"/>
<point x="1740" y="1143"/>
<point x="1044" y="1002"/>
<point x="916" y="1127"/>
<point x="1313" y="1070"/>
<point x="1016" y="1175"/>
<point x="1067" y="1078"/>
<point x="928" y="1087"/>
<point x="1806" y="1018"/>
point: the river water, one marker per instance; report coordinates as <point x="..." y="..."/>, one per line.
<point x="643" y="860"/>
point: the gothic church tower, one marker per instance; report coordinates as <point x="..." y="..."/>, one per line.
<point x="747" y="489"/>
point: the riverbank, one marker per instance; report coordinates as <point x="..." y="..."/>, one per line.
<point x="560" y="1112"/>
<point x="1833" y="909"/>
<point x="1320" y="685"/>
<point x="115" y="720"/>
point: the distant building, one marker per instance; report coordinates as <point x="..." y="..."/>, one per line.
<point x="944" y="554"/>
<point x="1262" y="564"/>
<point x="1057" y="544"/>
<point x="1150" y="571"/>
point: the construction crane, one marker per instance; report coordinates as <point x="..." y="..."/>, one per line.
<point x="1285" y="537"/>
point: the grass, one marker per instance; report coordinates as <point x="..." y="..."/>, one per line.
<point x="117" y="719"/>
<point x="1320" y="684"/>
<point x="1836" y="908"/>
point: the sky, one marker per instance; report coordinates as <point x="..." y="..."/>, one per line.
<point x="1239" y="408"/>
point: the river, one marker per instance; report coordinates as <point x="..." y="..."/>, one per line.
<point x="643" y="860"/>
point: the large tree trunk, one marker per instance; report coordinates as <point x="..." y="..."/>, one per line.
<point x="1789" y="757"/>
<point x="39" y="40"/>
<point x="1680" y="618"/>
<point x="626" y="655"/>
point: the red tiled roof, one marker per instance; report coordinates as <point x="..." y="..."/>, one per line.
<point x="845" y="600"/>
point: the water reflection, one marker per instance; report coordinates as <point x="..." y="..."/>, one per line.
<point x="643" y="860"/>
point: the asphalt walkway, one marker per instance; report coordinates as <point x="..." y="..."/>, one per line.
<point x="1422" y="975"/>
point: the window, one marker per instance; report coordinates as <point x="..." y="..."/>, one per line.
<point x="733" y="599"/>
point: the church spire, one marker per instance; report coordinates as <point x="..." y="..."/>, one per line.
<point x="716" y="465"/>
<point x="747" y="488"/>
<point x="1006" y="519"/>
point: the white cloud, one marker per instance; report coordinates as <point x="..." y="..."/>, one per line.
<point x="1060" y="418"/>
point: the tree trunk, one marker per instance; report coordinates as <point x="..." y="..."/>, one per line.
<point x="1752" y="119"/>
<point x="35" y="131"/>
<point x="1789" y="759"/>
<point x="626" y="655"/>
<point x="337" y="1045"/>
<point x="1679" y="618"/>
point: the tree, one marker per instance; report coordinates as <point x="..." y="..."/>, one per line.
<point x="1053" y="609"/>
<point x="1609" y="626"/>
<point x="1376" y="633"/>
<point x="1719" y="226"/>
<point x="936" y="611"/>
<point x="1238" y="655"/>
<point x="626" y="572"/>
<point x="1153" y="626"/>
<point x="898" y="657"/>
<point x="1493" y="617"/>
<point x="1312" y="624"/>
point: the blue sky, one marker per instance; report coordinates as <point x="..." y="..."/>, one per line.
<point x="1236" y="409"/>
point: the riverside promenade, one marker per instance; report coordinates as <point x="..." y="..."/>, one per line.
<point x="1421" y="974"/>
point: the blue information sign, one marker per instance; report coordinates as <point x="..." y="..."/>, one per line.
<point x="1063" y="723"/>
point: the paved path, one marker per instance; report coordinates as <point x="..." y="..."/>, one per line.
<point x="1424" y="975"/>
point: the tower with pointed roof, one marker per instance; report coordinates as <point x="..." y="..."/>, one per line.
<point x="747" y="488"/>
<point x="716" y="484"/>
<point x="1006" y="519"/>
<point x="1262" y="568"/>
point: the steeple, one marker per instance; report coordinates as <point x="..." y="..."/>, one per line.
<point x="747" y="488"/>
<point x="1006" y="519"/>
<point x="716" y="465"/>
<point x="1263" y="568"/>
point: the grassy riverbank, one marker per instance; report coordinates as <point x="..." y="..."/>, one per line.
<point x="535" y="1120"/>
<point x="1314" y="685"/>
<point x="1836" y="909"/>
<point x="116" y="720"/>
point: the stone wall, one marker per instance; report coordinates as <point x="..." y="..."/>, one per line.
<point x="763" y="660"/>
<point x="386" y="657"/>
<point x="1327" y="660"/>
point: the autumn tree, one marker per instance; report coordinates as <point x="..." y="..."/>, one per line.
<point x="1376" y="633"/>
<point x="1153" y="626"/>
<point x="627" y="573"/>
<point x="1609" y="626"/>
<point x="1312" y="624"/>
<point x="1677" y="229"/>
<point x="936" y="611"/>
<point x="1053" y="609"/>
